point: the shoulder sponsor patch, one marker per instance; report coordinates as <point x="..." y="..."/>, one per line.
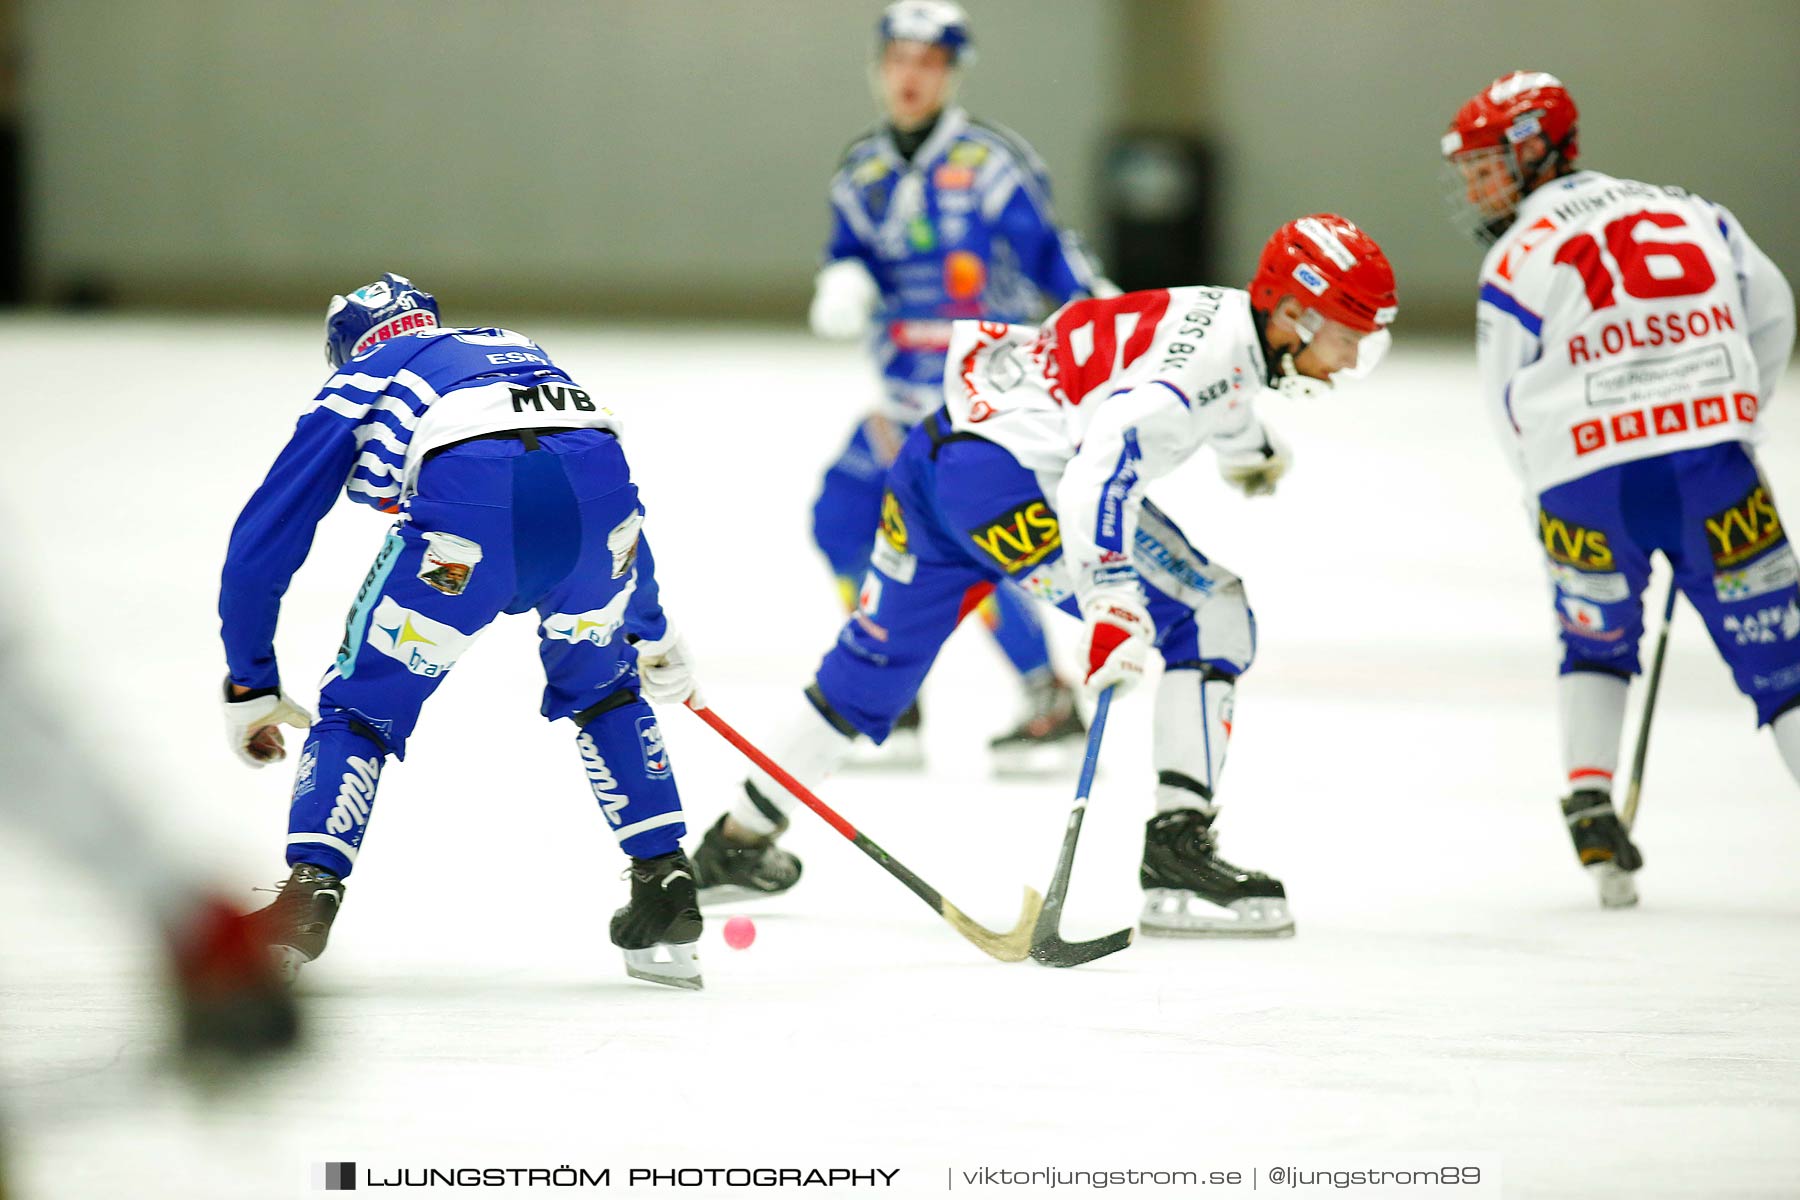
<point x="968" y="154"/>
<point x="1021" y="537"/>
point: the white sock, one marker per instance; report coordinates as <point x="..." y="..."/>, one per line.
<point x="1591" y="708"/>
<point x="809" y="748"/>
<point x="1786" y="728"/>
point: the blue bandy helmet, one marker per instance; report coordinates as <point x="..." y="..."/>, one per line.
<point x="934" y="22"/>
<point x="388" y="308"/>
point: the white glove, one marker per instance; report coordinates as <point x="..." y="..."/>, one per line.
<point x="253" y="726"/>
<point x="667" y="672"/>
<point x="844" y="298"/>
<point x="1255" y="468"/>
<point x="1116" y="640"/>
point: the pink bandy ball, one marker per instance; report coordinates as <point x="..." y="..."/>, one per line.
<point x="740" y="932"/>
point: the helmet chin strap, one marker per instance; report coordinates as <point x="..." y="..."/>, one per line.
<point x="1284" y="376"/>
<point x="1292" y="384"/>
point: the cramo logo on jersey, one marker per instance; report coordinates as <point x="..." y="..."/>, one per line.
<point x="394" y="327"/>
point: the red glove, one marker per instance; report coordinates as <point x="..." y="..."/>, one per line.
<point x="1117" y="639"/>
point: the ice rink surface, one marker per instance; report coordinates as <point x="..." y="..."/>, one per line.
<point x="1454" y="991"/>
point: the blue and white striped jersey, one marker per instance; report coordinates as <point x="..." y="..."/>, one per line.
<point x="366" y="432"/>
<point x="962" y="229"/>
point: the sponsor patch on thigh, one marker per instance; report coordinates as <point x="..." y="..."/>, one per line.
<point x="1765" y="626"/>
<point x="596" y="625"/>
<point x="1586" y="620"/>
<point x="419" y="643"/>
<point x="449" y="562"/>
<point x="1603" y="587"/>
<point x="1770" y="573"/>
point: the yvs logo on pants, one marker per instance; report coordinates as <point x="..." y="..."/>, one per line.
<point x="1745" y="530"/>
<point x="1021" y="537"/>
<point x="1573" y="544"/>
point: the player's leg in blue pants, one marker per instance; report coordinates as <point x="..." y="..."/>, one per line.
<point x="495" y="527"/>
<point x="966" y="515"/>
<point x="845" y="517"/>
<point x="1712" y="516"/>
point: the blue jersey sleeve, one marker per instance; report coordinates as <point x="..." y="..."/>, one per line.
<point x="273" y="536"/>
<point x="1051" y="259"/>
<point x="844" y="242"/>
<point x="644" y="617"/>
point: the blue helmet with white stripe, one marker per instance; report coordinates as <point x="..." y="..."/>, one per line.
<point x="388" y="308"/>
<point x="934" y="22"/>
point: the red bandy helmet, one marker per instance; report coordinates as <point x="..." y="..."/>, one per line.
<point x="1344" y="286"/>
<point x="1487" y="179"/>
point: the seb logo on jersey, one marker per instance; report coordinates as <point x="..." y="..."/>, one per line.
<point x="1745" y="530"/>
<point x="1021" y="538"/>
<point x="1572" y="544"/>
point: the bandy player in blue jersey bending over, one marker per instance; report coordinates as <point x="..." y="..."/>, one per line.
<point x="510" y="493"/>
<point x="937" y="217"/>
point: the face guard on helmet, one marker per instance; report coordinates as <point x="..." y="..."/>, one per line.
<point x="1345" y="289"/>
<point x="388" y="308"/>
<point x="1512" y="138"/>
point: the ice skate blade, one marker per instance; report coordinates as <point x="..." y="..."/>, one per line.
<point x="672" y="965"/>
<point x="732" y="893"/>
<point x="903" y="751"/>
<point x="1172" y="913"/>
<point x="288" y="962"/>
<point x="1617" y="888"/>
<point x="1052" y="759"/>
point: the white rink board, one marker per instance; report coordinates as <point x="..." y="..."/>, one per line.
<point x="1454" y="991"/>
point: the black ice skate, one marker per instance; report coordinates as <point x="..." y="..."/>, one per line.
<point x="658" y="930"/>
<point x="1189" y="891"/>
<point x="726" y="870"/>
<point x="1604" y="846"/>
<point x="296" y="926"/>
<point x="1050" y="739"/>
<point x="904" y="749"/>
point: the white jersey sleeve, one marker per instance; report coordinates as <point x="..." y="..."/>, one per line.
<point x="1768" y="304"/>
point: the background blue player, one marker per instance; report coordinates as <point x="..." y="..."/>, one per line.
<point x="512" y="494"/>
<point x="935" y="217"/>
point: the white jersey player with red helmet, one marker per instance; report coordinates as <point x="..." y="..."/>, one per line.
<point x="1035" y="471"/>
<point x="1630" y="338"/>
